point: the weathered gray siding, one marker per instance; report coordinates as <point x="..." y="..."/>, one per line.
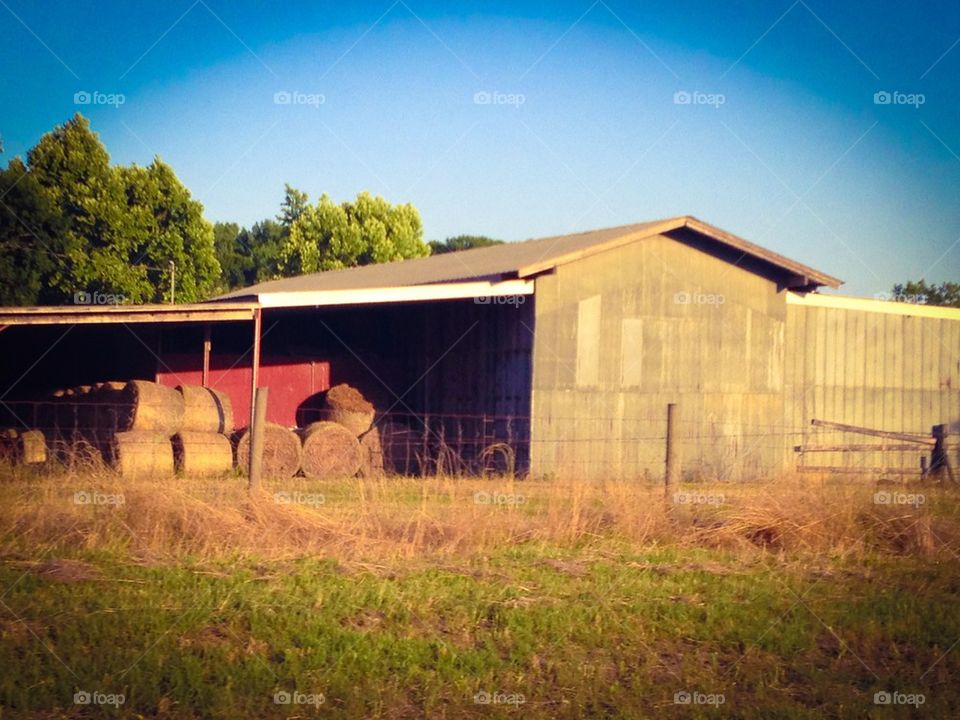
<point x="616" y="341"/>
<point x="883" y="370"/>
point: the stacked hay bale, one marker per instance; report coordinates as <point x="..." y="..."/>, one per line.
<point x="347" y="406"/>
<point x="371" y="453"/>
<point x="202" y="447"/>
<point x="331" y="447"/>
<point x="281" y="451"/>
<point x="330" y="450"/>
<point x="148" y="416"/>
<point x="23" y="447"/>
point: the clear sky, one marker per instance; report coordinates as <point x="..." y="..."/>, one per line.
<point x="519" y="120"/>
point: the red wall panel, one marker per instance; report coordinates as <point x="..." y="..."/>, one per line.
<point x="291" y="381"/>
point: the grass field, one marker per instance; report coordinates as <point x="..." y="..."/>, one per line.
<point x="453" y="598"/>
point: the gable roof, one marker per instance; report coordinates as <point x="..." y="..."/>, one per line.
<point x="522" y="260"/>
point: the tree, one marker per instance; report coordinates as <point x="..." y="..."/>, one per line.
<point x="263" y="242"/>
<point x="31" y="237"/>
<point x="100" y="228"/>
<point x="169" y="226"/>
<point x="946" y="293"/>
<point x="234" y="263"/>
<point x="294" y="203"/>
<point x="328" y="236"/>
<point x="461" y="242"/>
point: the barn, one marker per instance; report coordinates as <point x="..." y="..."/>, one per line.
<point x="552" y="356"/>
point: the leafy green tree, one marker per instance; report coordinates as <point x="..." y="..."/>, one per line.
<point x="294" y="203"/>
<point x="461" y="242"/>
<point x="263" y="243"/>
<point x="328" y="236"/>
<point x="234" y="263"/>
<point x="103" y="228"/>
<point x="169" y="226"/>
<point x="31" y="238"/>
<point x="946" y="293"/>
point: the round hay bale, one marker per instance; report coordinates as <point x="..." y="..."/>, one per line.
<point x="108" y="404"/>
<point x="85" y="402"/>
<point x="371" y="453"/>
<point x="32" y="447"/>
<point x="150" y="407"/>
<point x="63" y="409"/>
<point x="354" y="421"/>
<point x="140" y="453"/>
<point x="329" y="451"/>
<point x="347" y="405"/>
<point x="206" y="410"/>
<point x="202" y="453"/>
<point x="9" y="445"/>
<point x="281" y="451"/>
<point x="347" y="397"/>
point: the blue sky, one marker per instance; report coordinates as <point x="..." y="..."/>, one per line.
<point x="519" y="120"/>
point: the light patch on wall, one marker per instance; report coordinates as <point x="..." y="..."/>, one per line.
<point x="631" y="352"/>
<point x="588" y="342"/>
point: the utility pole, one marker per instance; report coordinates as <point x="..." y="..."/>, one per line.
<point x="173" y="281"/>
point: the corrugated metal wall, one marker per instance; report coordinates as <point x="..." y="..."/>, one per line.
<point x="882" y="370"/>
<point x="622" y="333"/>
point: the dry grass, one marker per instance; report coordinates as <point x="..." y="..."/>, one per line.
<point x="375" y="519"/>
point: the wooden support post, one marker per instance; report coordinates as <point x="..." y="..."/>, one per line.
<point x="257" y="430"/>
<point x="205" y="381"/>
<point x="672" y="461"/>
<point x="255" y="363"/>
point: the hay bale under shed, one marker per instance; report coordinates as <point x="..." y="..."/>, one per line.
<point x="108" y="405"/>
<point x="23" y="447"/>
<point x="140" y="453"/>
<point x="347" y="406"/>
<point x="32" y="447"/>
<point x="281" y="451"/>
<point x="329" y="451"/>
<point x="206" y="410"/>
<point x="150" y="407"/>
<point x="202" y="453"/>
<point x="371" y="453"/>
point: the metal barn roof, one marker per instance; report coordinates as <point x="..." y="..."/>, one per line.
<point x="516" y="261"/>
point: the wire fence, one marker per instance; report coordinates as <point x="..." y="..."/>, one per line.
<point x="80" y="434"/>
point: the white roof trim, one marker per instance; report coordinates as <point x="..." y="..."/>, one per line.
<point x="887" y="307"/>
<point x="412" y="293"/>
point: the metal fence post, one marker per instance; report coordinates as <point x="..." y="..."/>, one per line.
<point x="672" y="461"/>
